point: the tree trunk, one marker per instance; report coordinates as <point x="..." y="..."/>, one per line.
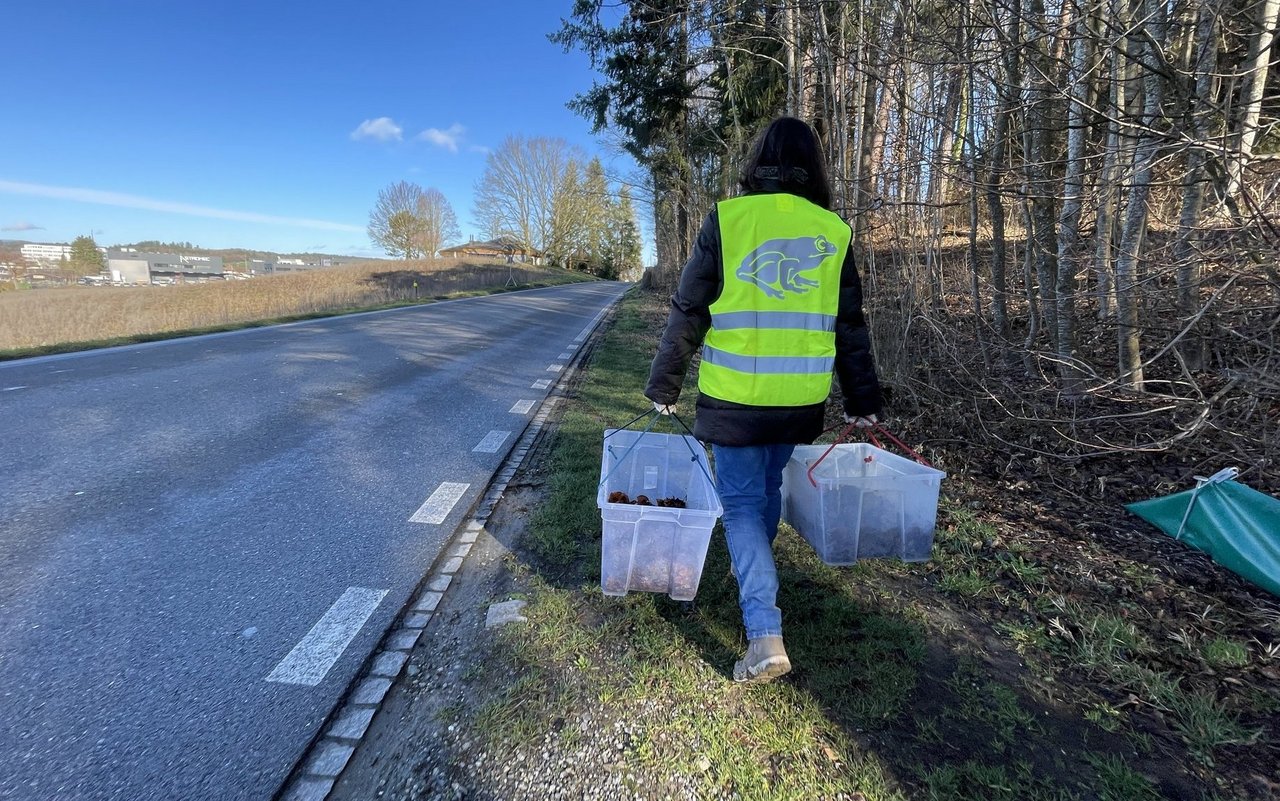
<point x="1202" y="56"/>
<point x="1113" y="166"/>
<point x="1135" y="224"/>
<point x="1010" y="98"/>
<point x="1256" y="68"/>
<point x="969" y="158"/>
<point x="1069" y="221"/>
<point x="881" y="123"/>
<point x="789" y="46"/>
<point x="1040" y="177"/>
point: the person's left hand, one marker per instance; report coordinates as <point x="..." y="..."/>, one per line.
<point x="862" y="422"/>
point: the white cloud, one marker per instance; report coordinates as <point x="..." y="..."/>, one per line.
<point x="22" y="226"/>
<point x="448" y="138"/>
<point x="383" y="129"/>
<point x="102" y="198"/>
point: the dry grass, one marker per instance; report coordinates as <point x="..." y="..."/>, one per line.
<point x="43" y="320"/>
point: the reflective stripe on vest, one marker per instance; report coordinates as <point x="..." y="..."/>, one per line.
<point x="775" y="365"/>
<point x="772" y="336"/>
<point x="795" y="321"/>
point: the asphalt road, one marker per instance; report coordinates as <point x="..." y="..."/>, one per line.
<point x="201" y="540"/>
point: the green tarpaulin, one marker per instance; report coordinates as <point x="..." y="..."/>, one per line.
<point x="1236" y="525"/>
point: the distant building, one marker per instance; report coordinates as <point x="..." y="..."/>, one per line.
<point x="133" y="267"/>
<point x="502" y="247"/>
<point x="45" y="255"/>
<point x="267" y="267"/>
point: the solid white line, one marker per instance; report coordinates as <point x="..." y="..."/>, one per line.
<point x="436" y="508"/>
<point x="541" y="383"/>
<point x="491" y="442"/>
<point x="312" y="657"/>
<point x="522" y="407"/>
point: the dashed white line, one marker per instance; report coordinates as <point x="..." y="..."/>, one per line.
<point x="555" y="368"/>
<point x="541" y="383"/>
<point x="565" y="356"/>
<point x="522" y="407"/>
<point x="491" y="442"/>
<point x="315" y="653"/>
<point x="435" y="509"/>
<point x="11" y="389"/>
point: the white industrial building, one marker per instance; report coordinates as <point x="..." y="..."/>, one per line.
<point x="45" y="255"/>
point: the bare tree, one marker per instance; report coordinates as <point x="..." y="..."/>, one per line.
<point x="1069" y="220"/>
<point x="394" y="224"/>
<point x="524" y="190"/>
<point x="1202" y="56"/>
<point x="1255" y="76"/>
<point x="438" y="225"/>
<point x="1132" y="240"/>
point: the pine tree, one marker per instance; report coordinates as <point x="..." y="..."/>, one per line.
<point x="85" y="259"/>
<point x="623" y="256"/>
<point x="597" y="222"/>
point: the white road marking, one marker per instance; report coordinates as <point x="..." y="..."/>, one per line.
<point x="491" y="442"/>
<point x="555" y="368"/>
<point x="565" y="356"/>
<point x="522" y="407"/>
<point x="11" y="389"/>
<point x="436" y="508"/>
<point x="541" y="383"/>
<point x="315" y="653"/>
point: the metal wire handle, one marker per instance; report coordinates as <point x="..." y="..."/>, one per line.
<point x="655" y="415"/>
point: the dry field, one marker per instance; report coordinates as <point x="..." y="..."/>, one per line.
<point x="47" y="320"/>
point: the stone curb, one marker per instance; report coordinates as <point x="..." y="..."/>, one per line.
<point x="323" y="762"/>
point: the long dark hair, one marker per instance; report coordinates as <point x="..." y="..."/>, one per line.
<point x="787" y="157"/>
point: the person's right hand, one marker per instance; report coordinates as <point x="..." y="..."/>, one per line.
<point x="663" y="408"/>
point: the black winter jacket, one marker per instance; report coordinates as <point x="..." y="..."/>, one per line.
<point x="725" y="423"/>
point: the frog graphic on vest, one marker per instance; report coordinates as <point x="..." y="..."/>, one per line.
<point x="776" y="265"/>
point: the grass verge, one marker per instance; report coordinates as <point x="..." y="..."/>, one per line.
<point x="900" y="690"/>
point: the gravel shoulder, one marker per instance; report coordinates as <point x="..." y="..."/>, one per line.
<point x="421" y="744"/>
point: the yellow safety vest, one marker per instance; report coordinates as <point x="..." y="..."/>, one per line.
<point x="772" y="340"/>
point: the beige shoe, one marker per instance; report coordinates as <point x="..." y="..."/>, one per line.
<point x="765" y="660"/>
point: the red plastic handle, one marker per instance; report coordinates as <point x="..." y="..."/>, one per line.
<point x="870" y="432"/>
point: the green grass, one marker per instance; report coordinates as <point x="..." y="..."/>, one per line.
<point x="850" y="719"/>
<point x="976" y="781"/>
<point x="982" y="701"/>
<point x="1116" y="781"/>
<point x="966" y="583"/>
<point x="1221" y="652"/>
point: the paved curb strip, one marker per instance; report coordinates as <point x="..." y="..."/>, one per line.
<point x="323" y="762"/>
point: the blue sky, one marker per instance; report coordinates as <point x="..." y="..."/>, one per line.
<point x="267" y="125"/>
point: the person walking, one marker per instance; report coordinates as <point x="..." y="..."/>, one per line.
<point x="772" y="295"/>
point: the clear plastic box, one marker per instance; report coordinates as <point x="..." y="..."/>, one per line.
<point x="869" y="503"/>
<point x="652" y="548"/>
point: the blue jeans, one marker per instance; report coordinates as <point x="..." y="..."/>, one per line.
<point x="749" y="480"/>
